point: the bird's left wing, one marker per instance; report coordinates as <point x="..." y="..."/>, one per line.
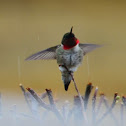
<point x="88" y="47"/>
<point x="47" y="54"/>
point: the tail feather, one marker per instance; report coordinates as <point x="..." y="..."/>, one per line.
<point x="66" y="77"/>
<point x="66" y="85"/>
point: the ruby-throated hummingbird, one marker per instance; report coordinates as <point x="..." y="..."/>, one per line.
<point x="69" y="54"/>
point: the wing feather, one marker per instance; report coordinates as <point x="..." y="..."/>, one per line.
<point x="88" y="47"/>
<point x="46" y="54"/>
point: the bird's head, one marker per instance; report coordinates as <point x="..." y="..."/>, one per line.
<point x="69" y="40"/>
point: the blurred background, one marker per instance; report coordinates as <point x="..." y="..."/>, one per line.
<point x="28" y="26"/>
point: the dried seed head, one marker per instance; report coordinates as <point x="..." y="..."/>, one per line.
<point x="48" y="89"/>
<point x="89" y="83"/>
<point x="102" y="94"/>
<point x="28" y="89"/>
<point x="115" y="95"/>
<point x="20" y="85"/>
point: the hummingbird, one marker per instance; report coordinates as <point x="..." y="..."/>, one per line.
<point x="69" y="54"/>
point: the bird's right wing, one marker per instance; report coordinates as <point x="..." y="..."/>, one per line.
<point x="88" y="47"/>
<point x="46" y="54"/>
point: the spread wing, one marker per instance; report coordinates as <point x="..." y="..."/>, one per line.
<point x="46" y="54"/>
<point x="88" y="47"/>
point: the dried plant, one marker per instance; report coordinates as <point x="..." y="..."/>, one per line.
<point x="68" y="114"/>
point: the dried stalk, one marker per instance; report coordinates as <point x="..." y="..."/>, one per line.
<point x="51" y="100"/>
<point x="65" y="111"/>
<point x="109" y="110"/>
<point x="38" y="99"/>
<point x="78" y="114"/>
<point x="81" y="100"/>
<point x="87" y="94"/>
<point x="124" y="100"/>
<point x="26" y="97"/>
<point x="46" y="106"/>
<point x="69" y="115"/>
<point x="32" y="104"/>
<point x="100" y="103"/>
<point x="93" y="106"/>
<point x="111" y="113"/>
<point x="43" y="95"/>
<point x="52" y="103"/>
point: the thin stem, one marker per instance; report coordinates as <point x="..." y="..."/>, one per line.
<point x="100" y="103"/>
<point x="26" y="97"/>
<point x="52" y="103"/>
<point x="51" y="100"/>
<point x="87" y="94"/>
<point x="43" y="95"/>
<point x="111" y="113"/>
<point x="46" y="106"/>
<point x="93" y="106"/>
<point x="38" y="99"/>
<point x="81" y="100"/>
<point x="124" y="100"/>
<point x="109" y="110"/>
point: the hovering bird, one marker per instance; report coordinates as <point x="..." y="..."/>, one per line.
<point x="69" y="54"/>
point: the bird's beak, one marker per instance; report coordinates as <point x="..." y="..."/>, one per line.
<point x="71" y="30"/>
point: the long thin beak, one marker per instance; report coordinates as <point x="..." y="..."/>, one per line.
<point x="71" y="29"/>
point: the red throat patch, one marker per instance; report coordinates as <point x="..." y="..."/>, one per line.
<point x="69" y="47"/>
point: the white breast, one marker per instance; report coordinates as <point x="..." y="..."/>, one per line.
<point x="76" y="48"/>
<point x="71" y="58"/>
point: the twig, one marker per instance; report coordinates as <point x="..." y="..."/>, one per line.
<point x="43" y="95"/>
<point x="124" y="100"/>
<point x="46" y="106"/>
<point x="51" y="100"/>
<point x="39" y="100"/>
<point x="81" y="100"/>
<point x="32" y="104"/>
<point x="111" y="113"/>
<point x="78" y="114"/>
<point x="52" y="103"/>
<point x="109" y="110"/>
<point x="87" y="94"/>
<point x="93" y="106"/>
<point x="26" y="97"/>
<point x="100" y="103"/>
<point x="65" y="110"/>
<point x="69" y="114"/>
<point x="77" y="102"/>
